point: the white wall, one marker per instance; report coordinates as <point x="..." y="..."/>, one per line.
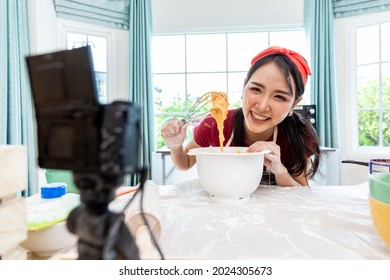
<point x="42" y="26"/>
<point x="351" y="174"/>
<point x="172" y="16"/>
<point x="45" y="37"/>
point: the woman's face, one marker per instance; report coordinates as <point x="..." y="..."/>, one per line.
<point x="266" y="99"/>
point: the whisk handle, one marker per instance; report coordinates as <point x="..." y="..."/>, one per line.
<point x="182" y="122"/>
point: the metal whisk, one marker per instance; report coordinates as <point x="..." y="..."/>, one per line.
<point x="193" y="112"/>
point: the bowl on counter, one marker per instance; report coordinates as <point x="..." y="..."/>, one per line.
<point x="229" y="175"/>
<point x="379" y="201"/>
<point x="48" y="241"/>
<point x="47" y="213"/>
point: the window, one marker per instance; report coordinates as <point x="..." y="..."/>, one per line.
<point x="373" y="85"/>
<point x="78" y="35"/>
<point x="186" y="66"/>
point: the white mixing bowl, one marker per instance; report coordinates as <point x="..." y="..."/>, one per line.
<point x="231" y="175"/>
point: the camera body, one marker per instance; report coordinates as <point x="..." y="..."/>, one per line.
<point x="75" y="131"/>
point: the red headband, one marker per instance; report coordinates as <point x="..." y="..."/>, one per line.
<point x="295" y="57"/>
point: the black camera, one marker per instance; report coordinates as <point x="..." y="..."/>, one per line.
<point x="75" y="131"/>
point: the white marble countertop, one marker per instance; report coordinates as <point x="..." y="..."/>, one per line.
<point x="323" y="222"/>
<point x="280" y="223"/>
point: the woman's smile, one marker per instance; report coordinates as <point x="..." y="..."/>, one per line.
<point x="259" y="117"/>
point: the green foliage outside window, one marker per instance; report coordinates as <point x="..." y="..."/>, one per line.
<point x="369" y="113"/>
<point x="179" y="110"/>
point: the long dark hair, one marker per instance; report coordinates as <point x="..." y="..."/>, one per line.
<point x="300" y="133"/>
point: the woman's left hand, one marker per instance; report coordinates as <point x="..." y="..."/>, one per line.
<point x="271" y="160"/>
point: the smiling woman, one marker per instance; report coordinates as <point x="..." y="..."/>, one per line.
<point x="273" y="87"/>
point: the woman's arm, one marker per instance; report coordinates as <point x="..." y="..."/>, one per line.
<point x="273" y="163"/>
<point x="181" y="159"/>
<point x="285" y="179"/>
<point x="174" y="136"/>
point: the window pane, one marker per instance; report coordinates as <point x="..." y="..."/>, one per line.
<point x="206" y="53"/>
<point x="367" y="44"/>
<point x="168" y="54"/>
<point x="294" y="40"/>
<point x="169" y="101"/>
<point x="168" y="88"/>
<point x="99" y="56"/>
<point x="386" y="128"/>
<point x="242" y="47"/>
<point x="236" y="85"/>
<point x="369" y="128"/>
<point x="368" y="86"/>
<point x="385" y="39"/>
<point x="198" y="84"/>
<point x="99" y="52"/>
<point x="386" y="85"/>
<point x="187" y="66"/>
<point x="76" y="40"/>
<point x="101" y="85"/>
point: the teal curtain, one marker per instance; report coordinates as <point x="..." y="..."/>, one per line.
<point x="344" y="8"/>
<point x="110" y="13"/>
<point x="140" y="73"/>
<point x="319" y="29"/>
<point x="16" y="110"/>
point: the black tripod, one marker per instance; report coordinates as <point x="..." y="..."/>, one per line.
<point x="102" y="234"/>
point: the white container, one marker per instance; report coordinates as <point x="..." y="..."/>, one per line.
<point x="46" y="220"/>
<point x="231" y="175"/>
<point x="52" y="205"/>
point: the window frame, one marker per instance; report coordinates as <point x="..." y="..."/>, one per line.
<point x="353" y="137"/>
<point x="65" y="26"/>
<point x="226" y="71"/>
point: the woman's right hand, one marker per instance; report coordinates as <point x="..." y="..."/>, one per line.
<point x="173" y="134"/>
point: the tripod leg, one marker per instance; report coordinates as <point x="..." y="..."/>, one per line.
<point x="93" y="232"/>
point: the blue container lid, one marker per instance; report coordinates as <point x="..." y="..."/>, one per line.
<point x="53" y="190"/>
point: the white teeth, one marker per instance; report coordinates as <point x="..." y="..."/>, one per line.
<point x="258" y="117"/>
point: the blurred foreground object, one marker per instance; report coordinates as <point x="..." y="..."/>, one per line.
<point x="13" y="180"/>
